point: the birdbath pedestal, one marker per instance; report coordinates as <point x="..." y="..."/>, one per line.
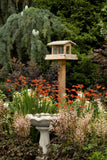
<point x="44" y="138"/>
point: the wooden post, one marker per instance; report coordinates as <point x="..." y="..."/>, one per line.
<point x="52" y="49"/>
<point x="62" y="77"/>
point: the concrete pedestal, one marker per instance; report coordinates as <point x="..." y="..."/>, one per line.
<point x="44" y="138"/>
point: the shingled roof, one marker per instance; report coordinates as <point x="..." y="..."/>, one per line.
<point x="55" y="43"/>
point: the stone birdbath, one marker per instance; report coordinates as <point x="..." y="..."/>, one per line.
<point x="41" y="122"/>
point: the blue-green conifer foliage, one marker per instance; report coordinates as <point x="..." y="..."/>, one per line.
<point x="25" y="35"/>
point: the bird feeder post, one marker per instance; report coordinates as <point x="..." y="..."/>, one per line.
<point x="62" y="77"/>
<point x="61" y="51"/>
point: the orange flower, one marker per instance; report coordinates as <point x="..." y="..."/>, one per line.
<point x="104" y="107"/>
<point x="70" y="101"/>
<point x="77" y="92"/>
<point x="8" y="80"/>
<point x="87" y="99"/>
<point x="70" y="107"/>
<point x="9" y="89"/>
<point x="77" y="86"/>
<point x="87" y="94"/>
<point x="94" y="91"/>
<point x="15" y="82"/>
<point x="91" y="90"/>
<point x="46" y="94"/>
<point x="73" y="86"/>
<point x="20" y="78"/>
<point x="74" y="90"/>
<point x="59" y="99"/>
<point x="65" y="96"/>
<point x="103" y="87"/>
<point x="83" y="99"/>
<point x="57" y="85"/>
<point x="72" y="95"/>
<point x="56" y="104"/>
<point x="81" y="86"/>
<point x="95" y="97"/>
<point x="106" y="94"/>
<point x="98" y="87"/>
<point x="24" y="77"/>
<point x="67" y="89"/>
<point x="78" y="97"/>
<point x="99" y="94"/>
<point x="57" y="90"/>
<point x="24" y="82"/>
<point x="33" y="80"/>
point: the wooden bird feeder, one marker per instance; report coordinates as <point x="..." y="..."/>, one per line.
<point x="61" y="51"/>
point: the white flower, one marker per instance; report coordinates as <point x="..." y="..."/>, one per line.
<point x="26" y="7"/>
<point x="35" y="33"/>
<point x="80" y="94"/>
<point x="5" y="105"/>
<point x="22" y="13"/>
<point x="100" y="107"/>
<point x="16" y="94"/>
<point x="29" y="92"/>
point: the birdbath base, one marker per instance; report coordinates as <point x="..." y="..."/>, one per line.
<point x="44" y="138"/>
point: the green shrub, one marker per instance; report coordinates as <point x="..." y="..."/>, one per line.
<point x="98" y="156"/>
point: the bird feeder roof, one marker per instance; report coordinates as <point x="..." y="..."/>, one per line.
<point x="55" y="43"/>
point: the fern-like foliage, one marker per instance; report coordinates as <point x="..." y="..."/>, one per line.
<point x="25" y="35"/>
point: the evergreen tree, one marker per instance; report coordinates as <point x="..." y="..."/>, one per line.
<point x="25" y="36"/>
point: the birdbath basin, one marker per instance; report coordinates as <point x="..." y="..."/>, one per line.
<point x="41" y="122"/>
